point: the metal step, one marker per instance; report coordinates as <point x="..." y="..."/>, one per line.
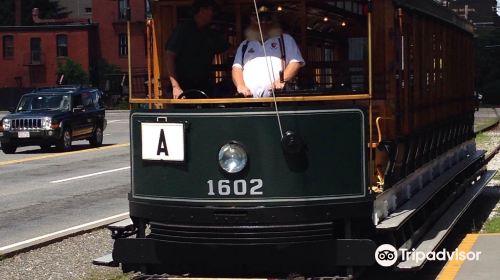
<point x="106" y="260"/>
<point x="126" y="225"/>
<point x="397" y="218"/>
<point x="433" y="238"/>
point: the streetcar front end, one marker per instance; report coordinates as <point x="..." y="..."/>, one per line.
<point x="222" y="192"/>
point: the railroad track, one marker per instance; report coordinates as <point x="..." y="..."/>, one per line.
<point x="490" y="125"/>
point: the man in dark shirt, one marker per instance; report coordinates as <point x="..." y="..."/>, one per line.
<point x="191" y="49"/>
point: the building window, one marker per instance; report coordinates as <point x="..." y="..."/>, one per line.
<point x="62" y="45"/>
<point x="122" y="9"/>
<point x="147" y="4"/>
<point x="122" y="44"/>
<point x="36" y="51"/>
<point x="8" y="47"/>
<point x="88" y="10"/>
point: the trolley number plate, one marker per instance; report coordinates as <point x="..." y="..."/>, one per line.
<point x="237" y="187"/>
<point x="163" y="141"/>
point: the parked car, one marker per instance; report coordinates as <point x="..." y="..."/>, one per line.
<point x="54" y="116"/>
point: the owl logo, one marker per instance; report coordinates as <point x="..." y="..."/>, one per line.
<point x="274" y="45"/>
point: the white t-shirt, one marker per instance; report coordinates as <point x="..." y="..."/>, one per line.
<point x="255" y="67"/>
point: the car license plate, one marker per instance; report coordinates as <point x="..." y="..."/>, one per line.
<point x="162" y="141"/>
<point x="23" y="134"/>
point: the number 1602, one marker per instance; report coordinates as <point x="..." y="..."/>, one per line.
<point x="237" y="187"/>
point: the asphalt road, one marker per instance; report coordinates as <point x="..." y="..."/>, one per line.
<point x="41" y="193"/>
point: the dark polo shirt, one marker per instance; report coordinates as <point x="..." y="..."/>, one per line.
<point x="195" y="49"/>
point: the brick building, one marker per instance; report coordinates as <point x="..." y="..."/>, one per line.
<point x="105" y="37"/>
<point x="111" y="17"/>
<point x="30" y="54"/>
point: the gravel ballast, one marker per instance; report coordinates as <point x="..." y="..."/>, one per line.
<point x="70" y="258"/>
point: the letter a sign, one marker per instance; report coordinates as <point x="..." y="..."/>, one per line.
<point x="162" y="141"/>
<point x="162" y="144"/>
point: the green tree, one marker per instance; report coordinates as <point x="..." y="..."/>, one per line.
<point x="73" y="73"/>
<point x="106" y="76"/>
<point x="487" y="65"/>
<point x="48" y="9"/>
<point x="7" y="12"/>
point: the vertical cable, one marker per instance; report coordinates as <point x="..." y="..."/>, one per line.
<point x="371" y="149"/>
<point x="269" y="68"/>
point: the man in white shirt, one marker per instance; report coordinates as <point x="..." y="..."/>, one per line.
<point x="250" y="68"/>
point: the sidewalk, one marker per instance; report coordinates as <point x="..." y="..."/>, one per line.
<point x="486" y="268"/>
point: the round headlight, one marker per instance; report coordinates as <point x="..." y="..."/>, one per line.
<point x="232" y="158"/>
<point x="6" y="123"/>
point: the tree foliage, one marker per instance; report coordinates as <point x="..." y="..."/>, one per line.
<point x="73" y="73"/>
<point x="7" y="12"/>
<point x="48" y="9"/>
<point x="104" y="75"/>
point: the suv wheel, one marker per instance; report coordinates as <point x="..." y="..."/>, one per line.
<point x="9" y="149"/>
<point x="97" y="137"/>
<point x="64" y="143"/>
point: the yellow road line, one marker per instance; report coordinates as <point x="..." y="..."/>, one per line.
<point x="16" y="161"/>
<point x="452" y="267"/>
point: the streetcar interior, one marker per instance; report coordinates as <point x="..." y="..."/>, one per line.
<point x="332" y="37"/>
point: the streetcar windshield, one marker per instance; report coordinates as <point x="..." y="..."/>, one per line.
<point x="328" y="38"/>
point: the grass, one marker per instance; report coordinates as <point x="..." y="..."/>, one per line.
<point x="481" y="138"/>
<point x="492" y="225"/>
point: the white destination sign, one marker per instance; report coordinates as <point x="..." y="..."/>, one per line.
<point x="163" y="141"/>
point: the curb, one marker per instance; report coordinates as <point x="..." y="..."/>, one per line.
<point x="46" y="239"/>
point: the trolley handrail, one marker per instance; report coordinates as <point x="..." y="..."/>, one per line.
<point x="251" y="100"/>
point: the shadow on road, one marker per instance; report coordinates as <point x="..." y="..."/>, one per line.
<point x="53" y="150"/>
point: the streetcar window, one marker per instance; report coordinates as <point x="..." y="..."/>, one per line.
<point x="332" y="38"/>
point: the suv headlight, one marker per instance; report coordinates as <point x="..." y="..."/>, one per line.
<point x="6" y="124"/>
<point x="46" y="123"/>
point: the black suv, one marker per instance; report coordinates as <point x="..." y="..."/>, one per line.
<point x="54" y="116"/>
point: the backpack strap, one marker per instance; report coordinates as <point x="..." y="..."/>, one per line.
<point x="243" y="51"/>
<point x="283" y="57"/>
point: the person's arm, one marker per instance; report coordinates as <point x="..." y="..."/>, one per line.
<point x="237" y="73"/>
<point x="239" y="83"/>
<point x="171" y="63"/>
<point x="174" y="46"/>
<point x="291" y="71"/>
<point x="294" y="62"/>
